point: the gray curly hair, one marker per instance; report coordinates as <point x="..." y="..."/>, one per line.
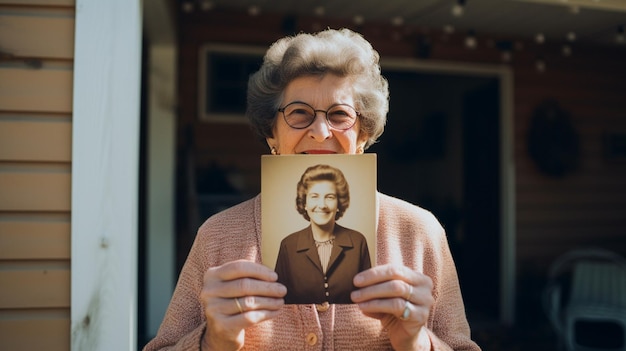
<point x="340" y="52"/>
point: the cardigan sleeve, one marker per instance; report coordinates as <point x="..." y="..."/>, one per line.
<point x="418" y="235"/>
<point x="224" y="237"/>
<point x="448" y="318"/>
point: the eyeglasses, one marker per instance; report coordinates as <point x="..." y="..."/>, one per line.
<point x="300" y="115"/>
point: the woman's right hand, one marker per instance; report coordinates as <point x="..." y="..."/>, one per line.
<point x="235" y="296"/>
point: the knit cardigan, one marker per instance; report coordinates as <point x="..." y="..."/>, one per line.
<point x="406" y="235"/>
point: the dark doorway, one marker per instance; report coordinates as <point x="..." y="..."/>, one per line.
<point x="479" y="253"/>
<point x="440" y="150"/>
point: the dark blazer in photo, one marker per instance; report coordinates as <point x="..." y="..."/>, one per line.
<point x="299" y="269"/>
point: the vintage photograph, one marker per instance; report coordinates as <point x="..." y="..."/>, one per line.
<point x="318" y="223"/>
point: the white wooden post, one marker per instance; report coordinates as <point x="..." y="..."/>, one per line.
<point x="105" y="159"/>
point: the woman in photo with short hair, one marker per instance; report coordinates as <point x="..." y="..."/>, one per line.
<point x="317" y="264"/>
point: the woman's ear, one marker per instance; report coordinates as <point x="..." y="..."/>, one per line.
<point x="360" y="143"/>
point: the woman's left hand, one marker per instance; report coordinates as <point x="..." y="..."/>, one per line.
<point x="401" y="298"/>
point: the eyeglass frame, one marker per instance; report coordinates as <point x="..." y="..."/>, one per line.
<point x="325" y="112"/>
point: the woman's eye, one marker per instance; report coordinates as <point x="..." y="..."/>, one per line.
<point x="300" y="112"/>
<point x="339" y="113"/>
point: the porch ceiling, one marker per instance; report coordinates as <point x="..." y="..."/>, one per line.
<point x="589" y="21"/>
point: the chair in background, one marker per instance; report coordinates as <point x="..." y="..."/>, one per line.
<point x="585" y="300"/>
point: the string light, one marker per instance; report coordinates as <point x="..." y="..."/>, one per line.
<point x="470" y="40"/>
<point x="206" y="5"/>
<point x="458" y="9"/>
<point x="254" y="10"/>
<point x="447" y="32"/>
<point x="397" y="21"/>
<point x="566" y="50"/>
<point x="540" y="65"/>
<point x="571" y="36"/>
<point x="540" y="38"/>
<point x="506" y="50"/>
<point x="187" y="6"/>
<point x="358" y="20"/>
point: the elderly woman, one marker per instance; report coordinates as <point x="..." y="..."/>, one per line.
<point x="317" y="263"/>
<point x="226" y="299"/>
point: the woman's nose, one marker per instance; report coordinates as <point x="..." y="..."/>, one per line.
<point x="319" y="203"/>
<point x="320" y="129"/>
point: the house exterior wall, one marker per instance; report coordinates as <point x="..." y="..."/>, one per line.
<point x="36" y="41"/>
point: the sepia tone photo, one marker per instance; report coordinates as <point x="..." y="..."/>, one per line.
<point x="318" y="223"/>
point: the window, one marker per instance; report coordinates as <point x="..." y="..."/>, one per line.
<point x="224" y="72"/>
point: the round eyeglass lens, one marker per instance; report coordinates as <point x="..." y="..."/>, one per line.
<point x="300" y="115"/>
<point x="341" y="116"/>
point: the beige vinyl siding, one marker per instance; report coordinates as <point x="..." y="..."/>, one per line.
<point x="40" y="33"/>
<point x="17" y="333"/>
<point x="37" y="141"/>
<point x="45" y="89"/>
<point x="40" y="3"/>
<point x="36" y="41"/>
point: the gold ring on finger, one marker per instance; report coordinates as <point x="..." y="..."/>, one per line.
<point x="238" y="305"/>
<point x="410" y="294"/>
